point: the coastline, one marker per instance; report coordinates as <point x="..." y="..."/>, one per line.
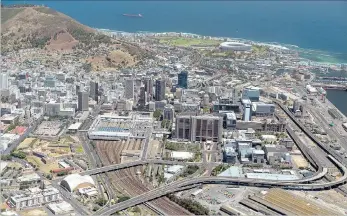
<point x="310" y="55"/>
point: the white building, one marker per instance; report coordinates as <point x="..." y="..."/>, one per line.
<point x="3" y="81"/>
<point x="75" y="181"/>
<point x="61" y="208"/>
<point x="34" y="197"/>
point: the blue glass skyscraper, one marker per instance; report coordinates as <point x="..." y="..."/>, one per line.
<point x="183" y="80"/>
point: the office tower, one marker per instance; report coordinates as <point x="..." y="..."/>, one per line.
<point x="160" y="86"/>
<point x="236" y="95"/>
<point x="94" y="90"/>
<point x="168" y="112"/>
<point x="78" y="89"/>
<point x="82" y="101"/>
<point x="251" y="93"/>
<point x="149" y="85"/>
<point x="3" y="81"/>
<point x="247" y="112"/>
<point x="183" y="80"/>
<point x="129" y="89"/>
<point x="143" y="98"/>
<point x="199" y="128"/>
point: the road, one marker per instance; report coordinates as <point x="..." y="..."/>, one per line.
<point x="15" y="143"/>
<point x="324" y="147"/>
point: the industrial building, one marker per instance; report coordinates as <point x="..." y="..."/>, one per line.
<point x="199" y="128"/>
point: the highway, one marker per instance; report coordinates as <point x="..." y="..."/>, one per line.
<point x="323" y="146"/>
<point x="186" y="183"/>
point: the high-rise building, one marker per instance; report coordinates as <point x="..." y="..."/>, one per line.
<point x="247" y="112"/>
<point x="82" y="101"/>
<point x="143" y="99"/>
<point x="183" y="80"/>
<point x="236" y="95"/>
<point x="129" y="89"/>
<point x="199" y="128"/>
<point x="160" y="86"/>
<point x="149" y="85"/>
<point x="3" y="81"/>
<point x="168" y="112"/>
<point x="78" y="89"/>
<point x="94" y="90"/>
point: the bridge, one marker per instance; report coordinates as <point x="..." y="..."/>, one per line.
<point x="138" y="163"/>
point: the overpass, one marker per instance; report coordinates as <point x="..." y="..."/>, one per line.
<point x="189" y="183"/>
<point x="137" y="163"/>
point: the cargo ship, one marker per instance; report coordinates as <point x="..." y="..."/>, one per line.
<point x="133" y="15"/>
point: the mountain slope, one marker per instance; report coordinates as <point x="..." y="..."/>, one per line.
<point x="38" y="26"/>
<point x="42" y="27"/>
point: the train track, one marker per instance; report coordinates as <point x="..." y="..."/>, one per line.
<point x="127" y="181"/>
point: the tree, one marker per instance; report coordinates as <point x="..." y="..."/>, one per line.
<point x="101" y="201"/>
<point x="123" y="198"/>
<point x="157" y="114"/>
<point x="18" y="154"/>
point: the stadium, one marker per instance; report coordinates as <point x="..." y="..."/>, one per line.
<point x="235" y="46"/>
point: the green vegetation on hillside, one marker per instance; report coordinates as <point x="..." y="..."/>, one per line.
<point x="88" y="40"/>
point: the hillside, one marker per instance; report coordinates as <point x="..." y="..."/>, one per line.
<point x="45" y="28"/>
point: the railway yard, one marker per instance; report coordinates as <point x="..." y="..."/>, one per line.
<point x="130" y="182"/>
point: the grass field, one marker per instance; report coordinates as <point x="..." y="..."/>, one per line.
<point x="28" y="142"/>
<point x="186" y="42"/>
<point x="79" y="149"/>
<point x="46" y="168"/>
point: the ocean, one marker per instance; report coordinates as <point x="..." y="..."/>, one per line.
<point x="339" y="99"/>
